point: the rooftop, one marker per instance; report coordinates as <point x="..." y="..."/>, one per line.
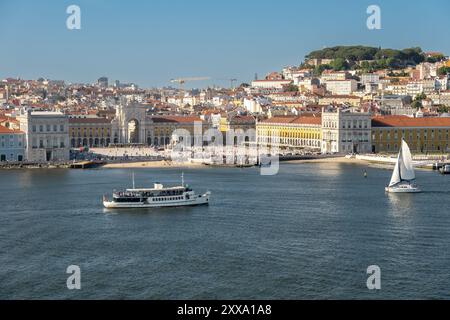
<point x="46" y="113"/>
<point x="294" y="120"/>
<point x="176" y="119"/>
<point x="405" y="121"/>
<point x="9" y="131"/>
<point x="89" y="120"/>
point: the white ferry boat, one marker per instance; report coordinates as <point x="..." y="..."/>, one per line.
<point x="156" y="197"/>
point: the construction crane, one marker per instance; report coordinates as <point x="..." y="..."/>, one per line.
<point x="232" y="81"/>
<point x="182" y="81"/>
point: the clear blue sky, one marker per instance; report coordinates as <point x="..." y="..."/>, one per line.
<point x="150" y="42"/>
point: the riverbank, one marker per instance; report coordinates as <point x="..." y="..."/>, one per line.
<point x="33" y="166"/>
<point x="174" y="164"/>
<point x="151" y="164"/>
<point x="331" y="160"/>
<point x="362" y="161"/>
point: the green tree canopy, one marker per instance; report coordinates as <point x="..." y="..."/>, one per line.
<point x="379" y="58"/>
<point x="443" y="71"/>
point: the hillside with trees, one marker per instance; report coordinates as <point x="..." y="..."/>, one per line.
<point x="368" y="58"/>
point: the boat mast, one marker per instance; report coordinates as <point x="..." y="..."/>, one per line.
<point x="182" y="179"/>
<point x="133" y="179"/>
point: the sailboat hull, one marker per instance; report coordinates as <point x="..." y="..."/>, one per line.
<point x="403" y="189"/>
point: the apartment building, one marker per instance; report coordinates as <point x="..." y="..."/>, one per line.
<point x="341" y="87"/>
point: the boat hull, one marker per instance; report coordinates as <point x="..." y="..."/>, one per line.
<point x="403" y="189"/>
<point x="198" y="201"/>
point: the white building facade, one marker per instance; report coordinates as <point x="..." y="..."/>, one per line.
<point x="46" y="135"/>
<point x="346" y="132"/>
<point x="342" y="87"/>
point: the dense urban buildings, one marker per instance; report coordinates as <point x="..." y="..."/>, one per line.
<point x="326" y="104"/>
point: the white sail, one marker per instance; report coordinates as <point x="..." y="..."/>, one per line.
<point x="406" y="164"/>
<point x="396" y="174"/>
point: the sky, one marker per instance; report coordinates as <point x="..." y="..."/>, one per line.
<point x="151" y="42"/>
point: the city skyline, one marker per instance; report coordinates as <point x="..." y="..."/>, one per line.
<point x="149" y="49"/>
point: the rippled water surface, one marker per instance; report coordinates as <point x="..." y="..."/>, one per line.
<point x="309" y="232"/>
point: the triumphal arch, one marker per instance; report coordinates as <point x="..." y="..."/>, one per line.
<point x="131" y="124"/>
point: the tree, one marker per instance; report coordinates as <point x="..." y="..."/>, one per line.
<point x="435" y="58"/>
<point x="291" y="88"/>
<point x="339" y="64"/>
<point x="347" y="57"/>
<point x="319" y="69"/>
<point x="417" y="104"/>
<point x="443" y="71"/>
<point x="443" y="109"/>
<point x="420" y="97"/>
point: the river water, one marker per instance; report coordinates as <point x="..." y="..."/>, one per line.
<point x="309" y="232"/>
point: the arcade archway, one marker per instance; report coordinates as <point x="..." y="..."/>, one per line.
<point x="133" y="131"/>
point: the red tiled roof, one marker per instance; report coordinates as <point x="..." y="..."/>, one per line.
<point x="294" y="120"/>
<point x="404" y="121"/>
<point x="179" y="119"/>
<point x="308" y="120"/>
<point x="9" y="131"/>
<point x="89" y="120"/>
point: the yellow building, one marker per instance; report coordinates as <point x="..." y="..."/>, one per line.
<point x="161" y="128"/>
<point x="89" y="131"/>
<point x="237" y="122"/>
<point x="290" y="132"/>
<point x="423" y="135"/>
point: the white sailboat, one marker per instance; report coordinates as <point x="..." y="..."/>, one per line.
<point x="403" y="178"/>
